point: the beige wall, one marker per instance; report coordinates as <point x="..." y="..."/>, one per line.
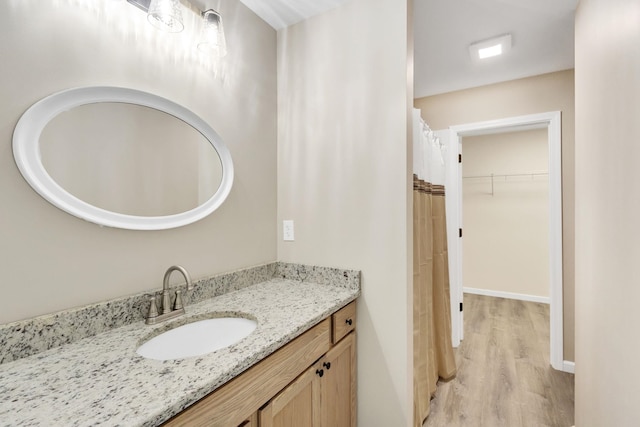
<point x="547" y="92"/>
<point x="506" y="225"/>
<point x="343" y="177"/>
<point x="607" y="212"/>
<point x="51" y="260"/>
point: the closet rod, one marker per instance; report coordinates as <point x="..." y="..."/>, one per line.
<point x="507" y="175"/>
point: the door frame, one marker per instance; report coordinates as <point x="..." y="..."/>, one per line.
<point x="553" y="122"/>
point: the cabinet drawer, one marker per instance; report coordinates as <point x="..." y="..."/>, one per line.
<point x="343" y="322"/>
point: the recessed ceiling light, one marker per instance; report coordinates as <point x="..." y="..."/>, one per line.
<point x="491" y="47"/>
<point x="490" y="51"/>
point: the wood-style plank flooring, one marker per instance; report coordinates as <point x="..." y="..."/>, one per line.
<point x="504" y="376"/>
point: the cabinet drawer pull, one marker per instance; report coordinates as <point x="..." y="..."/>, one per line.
<point x="327" y="365"/>
<point x="320" y="372"/>
<point x="349" y="322"/>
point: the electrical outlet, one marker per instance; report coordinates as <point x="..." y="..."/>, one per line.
<point x="287" y="230"/>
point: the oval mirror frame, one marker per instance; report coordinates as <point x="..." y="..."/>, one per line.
<point x="26" y="152"/>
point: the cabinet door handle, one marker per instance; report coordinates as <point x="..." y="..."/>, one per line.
<point x="320" y="372"/>
<point x="327" y="365"/>
<point x="349" y="322"/>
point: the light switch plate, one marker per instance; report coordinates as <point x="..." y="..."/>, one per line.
<point x="287" y="230"/>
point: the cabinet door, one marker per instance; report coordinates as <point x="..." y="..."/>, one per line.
<point x="338" y="385"/>
<point x="295" y="406"/>
<point x="250" y="422"/>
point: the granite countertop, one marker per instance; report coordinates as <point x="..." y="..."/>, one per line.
<point x="100" y="380"/>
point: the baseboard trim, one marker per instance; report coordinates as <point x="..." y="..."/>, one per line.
<point x="568" y="366"/>
<point x="509" y="295"/>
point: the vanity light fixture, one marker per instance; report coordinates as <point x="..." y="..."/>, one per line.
<point x="491" y="47"/>
<point x="212" y="36"/>
<point x="166" y="15"/>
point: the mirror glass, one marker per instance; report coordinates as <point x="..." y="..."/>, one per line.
<point x="122" y="158"/>
<point x="130" y="159"/>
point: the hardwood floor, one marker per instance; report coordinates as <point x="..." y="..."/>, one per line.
<point x="504" y="376"/>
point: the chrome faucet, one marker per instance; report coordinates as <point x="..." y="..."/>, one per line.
<point x="168" y="312"/>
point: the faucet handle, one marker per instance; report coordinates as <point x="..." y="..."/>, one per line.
<point x="153" y="308"/>
<point x="177" y="305"/>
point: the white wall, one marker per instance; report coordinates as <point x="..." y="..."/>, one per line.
<point x="607" y="212"/>
<point x="343" y="177"/>
<point x="51" y="260"/>
<point x="506" y="233"/>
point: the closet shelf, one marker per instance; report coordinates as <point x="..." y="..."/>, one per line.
<point x="507" y="175"/>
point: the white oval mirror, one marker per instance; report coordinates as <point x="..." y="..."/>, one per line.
<point x="130" y="159"/>
<point x="122" y="158"/>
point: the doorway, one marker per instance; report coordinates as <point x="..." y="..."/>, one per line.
<point x="552" y="122"/>
<point x="505" y="206"/>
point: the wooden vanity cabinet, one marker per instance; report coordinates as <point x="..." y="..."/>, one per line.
<point x="325" y="394"/>
<point x="309" y="382"/>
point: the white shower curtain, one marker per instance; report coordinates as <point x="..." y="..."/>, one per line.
<point x="433" y="353"/>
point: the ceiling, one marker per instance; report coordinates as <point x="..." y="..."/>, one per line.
<point x="542" y="34"/>
<point x="541" y="30"/>
<point x="282" y="13"/>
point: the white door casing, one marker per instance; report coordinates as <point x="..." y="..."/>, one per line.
<point x="552" y="121"/>
<point x="455" y="276"/>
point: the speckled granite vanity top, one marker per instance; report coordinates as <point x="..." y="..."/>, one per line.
<point x="100" y="380"/>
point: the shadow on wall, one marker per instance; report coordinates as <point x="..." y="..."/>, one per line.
<point x="377" y="385"/>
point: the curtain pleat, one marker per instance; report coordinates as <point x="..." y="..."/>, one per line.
<point x="441" y="288"/>
<point x="433" y="353"/>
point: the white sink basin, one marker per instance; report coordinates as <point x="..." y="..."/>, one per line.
<point x="197" y="338"/>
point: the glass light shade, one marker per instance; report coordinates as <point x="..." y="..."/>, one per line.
<point x="166" y="15"/>
<point x="212" y="38"/>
